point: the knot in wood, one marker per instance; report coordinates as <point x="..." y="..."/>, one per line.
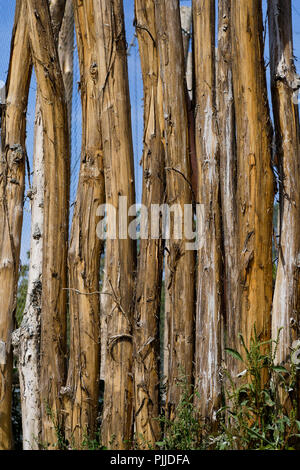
<point x="94" y="72"/>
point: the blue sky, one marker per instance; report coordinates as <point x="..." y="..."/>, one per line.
<point x="136" y="92"/>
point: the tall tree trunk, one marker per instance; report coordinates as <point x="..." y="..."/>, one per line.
<point x="82" y="391"/>
<point x="26" y="339"/>
<point x="178" y="173"/>
<point x="186" y="25"/>
<point x="120" y="264"/>
<point x="286" y="305"/>
<point x="12" y="183"/>
<point x="255" y="186"/>
<point x="148" y="296"/>
<point x="209" y="288"/>
<point x="56" y="204"/>
<point x="228" y="172"/>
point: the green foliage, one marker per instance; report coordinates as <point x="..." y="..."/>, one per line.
<point x="184" y="432"/>
<point x="22" y="291"/>
<point x="61" y="443"/>
<point x="94" y="443"/>
<point x="254" y="418"/>
<point x="88" y="442"/>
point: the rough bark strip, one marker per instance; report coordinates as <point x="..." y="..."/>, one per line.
<point x="120" y="264"/>
<point x="12" y="183"/>
<point x="209" y="288"/>
<point x="56" y="204"/>
<point x="255" y="186"/>
<point x="178" y="174"/>
<point x="26" y="340"/>
<point x="148" y="296"/>
<point x="228" y="172"/>
<point x="82" y="390"/>
<point x="186" y="25"/>
<point x="285" y="85"/>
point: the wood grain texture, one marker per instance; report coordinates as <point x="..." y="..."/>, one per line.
<point x="120" y="263"/>
<point x="56" y="215"/>
<point x="181" y="261"/>
<point x="286" y="304"/>
<point x="255" y="184"/>
<point x="148" y="296"/>
<point x="209" y="274"/>
<point x="81" y="393"/>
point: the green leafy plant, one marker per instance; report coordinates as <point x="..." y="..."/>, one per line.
<point x="184" y="432"/>
<point x="22" y="291"/>
<point x="94" y="443"/>
<point x="254" y="417"/>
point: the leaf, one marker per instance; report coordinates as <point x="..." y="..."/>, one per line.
<point x="268" y="400"/>
<point x="234" y="354"/>
<point x="244" y="344"/>
<point x="160" y="444"/>
<point x="259" y="436"/>
<point x="280" y="369"/>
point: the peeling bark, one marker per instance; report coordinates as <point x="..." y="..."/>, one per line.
<point x="120" y="264"/>
<point x="186" y="25"/>
<point x="209" y="282"/>
<point x="82" y="390"/>
<point x="148" y="296"/>
<point x="12" y="184"/>
<point x="228" y="172"/>
<point x="26" y="340"/>
<point x="56" y="203"/>
<point x="255" y="185"/>
<point x="178" y="174"/>
<point x="285" y="86"/>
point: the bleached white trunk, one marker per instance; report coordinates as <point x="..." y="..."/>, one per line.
<point x="27" y="338"/>
<point x="209" y="267"/>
